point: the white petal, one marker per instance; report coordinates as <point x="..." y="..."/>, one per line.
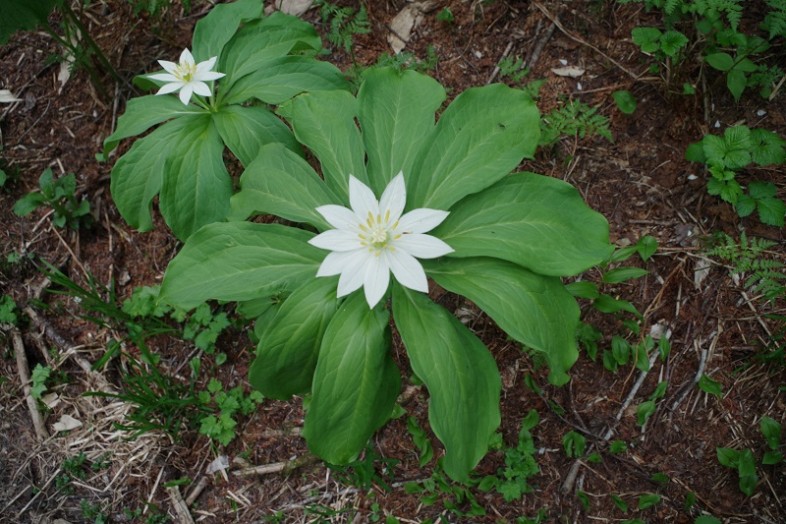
<point x="339" y="217"/>
<point x="422" y="246"/>
<point x="186" y="57"/>
<point x="361" y="199"/>
<point x="169" y="88"/>
<point x="377" y="279"/>
<point x="185" y="93"/>
<point x="336" y="240"/>
<point x="207" y="65"/>
<point x="164" y="77"/>
<point x="394" y="198"/>
<point x="201" y="88"/>
<point x="407" y="270"/>
<point x="354" y="274"/>
<point x="208" y="75"/>
<point x="168" y="66"/>
<point x="336" y="262"/>
<point x="421" y="220"/>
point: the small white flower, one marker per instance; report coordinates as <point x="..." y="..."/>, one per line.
<point x="187" y="77"/>
<point x="373" y="239"/>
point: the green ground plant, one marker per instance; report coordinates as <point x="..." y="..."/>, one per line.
<point x="741" y="58"/>
<point x="512" y="480"/>
<point x="9" y="312"/>
<point x="574" y="119"/>
<point x="59" y="194"/>
<point x="475" y="144"/>
<point x="343" y="23"/>
<point x="739" y="148"/>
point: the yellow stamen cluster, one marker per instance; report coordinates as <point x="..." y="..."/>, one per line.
<point x="376" y="233"/>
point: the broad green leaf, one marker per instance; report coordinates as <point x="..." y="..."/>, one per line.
<point x="708" y="385"/>
<point x="28" y="203"/>
<point x="671" y="42"/>
<point x="288" y="348"/>
<point x="23" y="15"/>
<point x="583" y="289"/>
<point x="396" y="113"/>
<point x="644" y="411"/>
<point x="759" y="190"/>
<point x="695" y="152"/>
<point x="325" y="122"/>
<point x="707" y="519"/>
<point x="736" y="82"/>
<point x="720" y="61"/>
<point x="196" y="186"/>
<point x="245" y="129"/>
<point x="535" y="221"/>
<point x="767" y="148"/>
<point x="460" y="374"/>
<point x="239" y="261"/>
<point x="281" y="183"/>
<point x="535" y="310"/>
<point x="625" y="101"/>
<point x="213" y="31"/>
<point x="479" y="139"/>
<point x="355" y="382"/>
<point x="648" y="500"/>
<point x="771" y="430"/>
<point x="728" y="457"/>
<point x="144" y="112"/>
<point x="647" y="38"/>
<point x="608" y="304"/>
<point x="258" y="42"/>
<point x="279" y="79"/>
<point x="771" y="211"/>
<point x="138" y="175"/>
<point x="737" y="145"/>
<point x="746" y="468"/>
<point x="622" y="274"/>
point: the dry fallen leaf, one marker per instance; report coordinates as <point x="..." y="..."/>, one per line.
<point x="569" y="71"/>
<point x="6" y="97"/>
<point x="405" y="22"/>
<point x="66" y="423"/>
<point x="294" y="7"/>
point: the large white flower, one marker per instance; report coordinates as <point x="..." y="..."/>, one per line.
<point x="373" y="239"/>
<point x="187" y="77"/>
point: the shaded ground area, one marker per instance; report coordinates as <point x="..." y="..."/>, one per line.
<point x="639" y="181"/>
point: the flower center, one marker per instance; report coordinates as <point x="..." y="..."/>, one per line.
<point x="375" y="232"/>
<point x="186" y="72"/>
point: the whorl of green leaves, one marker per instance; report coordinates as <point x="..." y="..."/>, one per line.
<point x="514" y="236"/>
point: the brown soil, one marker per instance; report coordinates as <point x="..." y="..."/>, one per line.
<point x="639" y="182"/>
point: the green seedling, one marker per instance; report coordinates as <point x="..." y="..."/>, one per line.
<point x="8" y="311"/>
<point x="60" y="195"/>
<point x="511" y="481"/>
<point x="625" y="101"/>
<point x="574" y="119"/>
<point x="741" y="147"/>
<point x="343" y="23"/>
<point x="745" y="464"/>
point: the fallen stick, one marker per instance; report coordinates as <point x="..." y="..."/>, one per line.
<point x="24" y="376"/>
<point x="183" y="515"/>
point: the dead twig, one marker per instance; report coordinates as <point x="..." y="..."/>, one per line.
<point x="181" y="509"/>
<point x="24" y="376"/>
<point x="276" y="467"/>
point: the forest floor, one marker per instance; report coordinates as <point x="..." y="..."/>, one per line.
<point x="640" y="181"/>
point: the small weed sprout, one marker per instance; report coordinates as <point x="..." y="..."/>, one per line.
<point x="60" y="195"/>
